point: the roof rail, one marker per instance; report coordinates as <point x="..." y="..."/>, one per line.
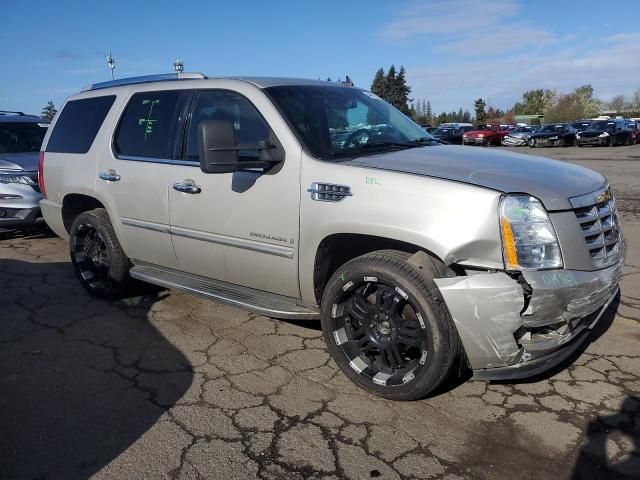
<point x="144" y="79"/>
<point x="8" y="112"/>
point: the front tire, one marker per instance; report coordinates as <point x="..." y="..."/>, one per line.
<point x="386" y="325"/>
<point x="97" y="257"/>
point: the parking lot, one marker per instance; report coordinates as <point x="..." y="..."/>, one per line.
<point x="171" y="386"/>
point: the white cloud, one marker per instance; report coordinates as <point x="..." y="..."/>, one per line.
<point x="449" y="18"/>
<point x="490" y="50"/>
<point x="608" y="68"/>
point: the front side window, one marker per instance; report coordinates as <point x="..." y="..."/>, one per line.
<point x="19" y="137"/>
<point x="149" y="124"/>
<point x="335" y="122"/>
<point x="250" y="127"/>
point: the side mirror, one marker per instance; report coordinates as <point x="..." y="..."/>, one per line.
<point x="219" y="150"/>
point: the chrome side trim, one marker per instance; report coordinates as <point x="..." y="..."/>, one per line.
<point x="261" y="247"/>
<point x="155" y="227"/>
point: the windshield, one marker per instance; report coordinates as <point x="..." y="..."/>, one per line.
<point x="551" y="128"/>
<point x="333" y="122"/>
<point x="522" y="130"/>
<point x="601" y="127"/>
<point x="581" y="125"/>
<point x="21" y="137"/>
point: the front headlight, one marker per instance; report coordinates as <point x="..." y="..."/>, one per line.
<point x="553" y="138"/>
<point x="7" y="177"/>
<point x="529" y="241"/>
<point x="480" y="135"/>
<point x="604" y="135"/>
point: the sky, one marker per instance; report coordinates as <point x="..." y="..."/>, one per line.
<point x="454" y="51"/>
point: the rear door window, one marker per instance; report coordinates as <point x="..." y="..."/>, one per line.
<point x="149" y="124"/>
<point x="78" y="124"/>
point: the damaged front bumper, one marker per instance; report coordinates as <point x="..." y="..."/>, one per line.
<point x="518" y="328"/>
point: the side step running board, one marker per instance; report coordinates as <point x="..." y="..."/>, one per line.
<point x="257" y="301"/>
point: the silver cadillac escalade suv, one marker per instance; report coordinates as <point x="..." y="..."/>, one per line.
<point x="305" y="199"/>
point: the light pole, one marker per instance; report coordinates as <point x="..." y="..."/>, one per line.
<point x="178" y="66"/>
<point x="111" y="62"/>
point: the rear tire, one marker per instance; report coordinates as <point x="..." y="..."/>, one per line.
<point x="387" y="327"/>
<point x="97" y="257"/>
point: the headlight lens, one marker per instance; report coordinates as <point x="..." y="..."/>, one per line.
<point x="529" y="241"/>
<point x="481" y="135"/>
<point x="553" y="138"/>
<point x="605" y="134"/>
<point x="6" y="177"/>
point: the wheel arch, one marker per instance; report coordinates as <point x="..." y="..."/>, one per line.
<point x="73" y="204"/>
<point x="338" y="248"/>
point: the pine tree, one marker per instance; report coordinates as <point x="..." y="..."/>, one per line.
<point x="403" y="91"/>
<point x="428" y="112"/>
<point x="379" y="84"/>
<point x="390" y="85"/>
<point x="479" y="104"/>
<point x="49" y="111"/>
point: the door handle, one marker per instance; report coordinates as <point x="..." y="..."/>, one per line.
<point x="109" y="176"/>
<point x="188" y="186"/>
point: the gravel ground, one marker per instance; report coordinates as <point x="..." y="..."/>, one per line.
<point x="170" y="386"/>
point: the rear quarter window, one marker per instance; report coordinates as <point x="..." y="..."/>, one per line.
<point x="78" y="124"/>
<point x="149" y="124"/>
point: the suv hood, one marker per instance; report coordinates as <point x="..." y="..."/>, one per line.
<point x="27" y="161"/>
<point x="551" y="181"/>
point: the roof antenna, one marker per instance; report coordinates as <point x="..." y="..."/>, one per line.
<point x="348" y="82"/>
<point x="178" y="66"/>
<point x="111" y="62"/>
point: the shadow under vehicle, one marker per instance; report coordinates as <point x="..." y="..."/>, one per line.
<point x="81" y="379"/>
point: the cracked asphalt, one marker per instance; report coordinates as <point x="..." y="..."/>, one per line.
<point x="170" y="386"/>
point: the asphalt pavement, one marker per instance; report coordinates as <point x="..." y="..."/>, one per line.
<point x="170" y="386"/>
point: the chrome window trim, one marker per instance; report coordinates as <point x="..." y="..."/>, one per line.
<point x="144" y="159"/>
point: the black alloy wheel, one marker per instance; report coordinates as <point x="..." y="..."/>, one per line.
<point x="380" y="332"/>
<point x="98" y="260"/>
<point x="387" y="326"/>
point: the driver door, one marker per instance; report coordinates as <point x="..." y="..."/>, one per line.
<point x="239" y="227"/>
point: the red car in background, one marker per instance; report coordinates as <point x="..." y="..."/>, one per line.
<point x="485" y="135"/>
<point x="635" y="131"/>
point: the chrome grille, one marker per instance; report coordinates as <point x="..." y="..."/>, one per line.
<point x="598" y="218"/>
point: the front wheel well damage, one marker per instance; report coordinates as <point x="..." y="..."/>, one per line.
<point x="337" y="249"/>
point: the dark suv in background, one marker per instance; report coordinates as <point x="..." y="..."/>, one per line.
<point x="451" y="133"/>
<point x="20" y="140"/>
<point x="606" y="132"/>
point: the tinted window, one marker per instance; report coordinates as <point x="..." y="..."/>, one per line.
<point x="78" y="124"/>
<point x="21" y="136"/>
<point x="149" y="124"/>
<point x="249" y="125"/>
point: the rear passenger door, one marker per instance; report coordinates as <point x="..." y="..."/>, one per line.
<point x="133" y="174"/>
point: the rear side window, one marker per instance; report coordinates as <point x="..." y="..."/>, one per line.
<point x="78" y="124"/>
<point x="149" y="124"/>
